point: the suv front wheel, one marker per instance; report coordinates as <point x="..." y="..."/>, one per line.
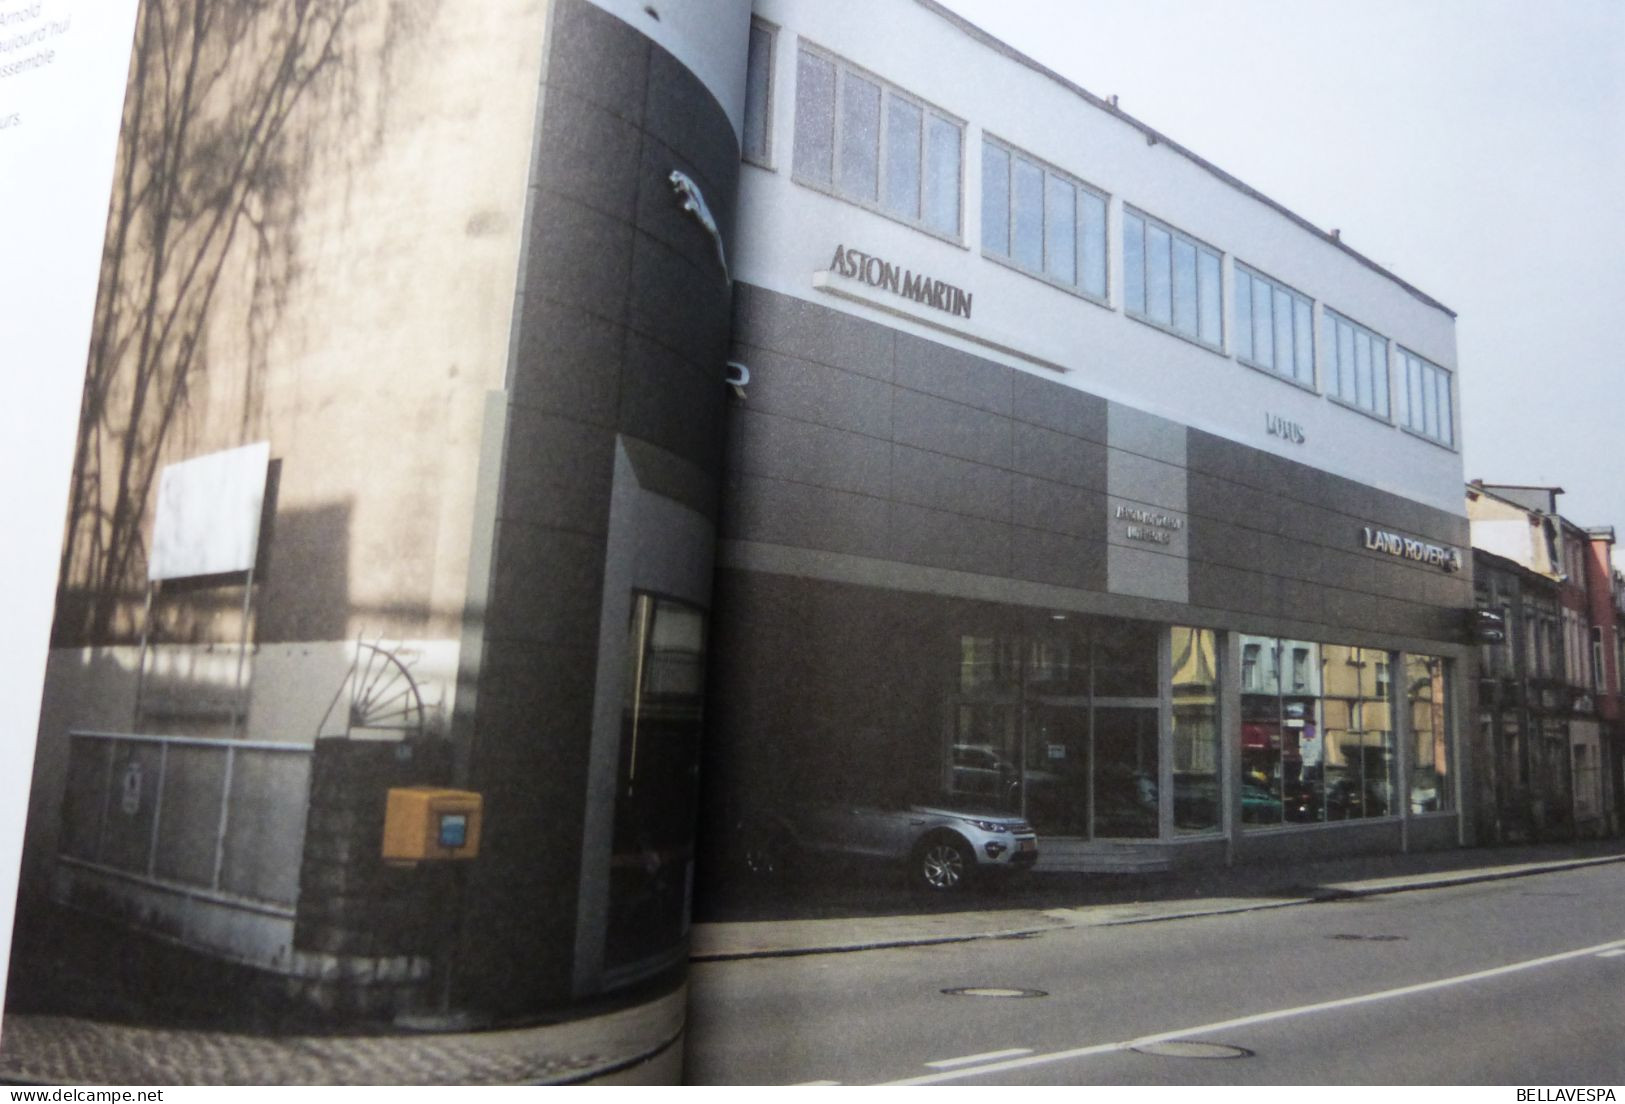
<point x="942" y="864"/>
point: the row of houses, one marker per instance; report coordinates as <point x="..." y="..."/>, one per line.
<point x="1550" y="608"/>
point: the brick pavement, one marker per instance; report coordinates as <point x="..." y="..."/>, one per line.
<point x="53" y="1049"/>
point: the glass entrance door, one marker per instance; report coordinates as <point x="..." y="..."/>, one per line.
<point x="1055" y="771"/>
<point x="1126" y="772"/>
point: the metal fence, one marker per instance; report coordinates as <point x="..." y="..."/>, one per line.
<point x="217" y="818"/>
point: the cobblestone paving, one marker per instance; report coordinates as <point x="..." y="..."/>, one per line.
<point x="69" y="1050"/>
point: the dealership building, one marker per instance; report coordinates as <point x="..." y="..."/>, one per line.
<point x="654" y="411"/>
<point x="1073" y="474"/>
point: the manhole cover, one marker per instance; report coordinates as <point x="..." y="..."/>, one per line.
<point x="1186" y="1049"/>
<point x="993" y="991"/>
<point x="1368" y="938"/>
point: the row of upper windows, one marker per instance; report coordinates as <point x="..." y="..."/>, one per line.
<point x="873" y="144"/>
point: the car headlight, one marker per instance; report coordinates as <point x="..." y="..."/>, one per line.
<point x="986" y="825"/>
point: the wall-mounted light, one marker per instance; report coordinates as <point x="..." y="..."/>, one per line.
<point x="736" y="378"/>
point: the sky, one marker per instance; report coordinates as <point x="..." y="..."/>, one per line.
<point x="1475" y="148"/>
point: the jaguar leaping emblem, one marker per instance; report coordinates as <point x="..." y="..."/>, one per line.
<point x="694" y="204"/>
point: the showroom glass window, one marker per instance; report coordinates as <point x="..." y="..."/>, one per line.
<point x="1316" y="732"/>
<point x="1059" y="719"/>
<point x="1274" y="327"/>
<point x="1043" y="221"/>
<point x="756" y="143"/>
<point x="983" y="757"/>
<point x="1171" y="280"/>
<point x="1428" y="406"/>
<point x="1427" y="699"/>
<point x="1358" y="742"/>
<point x="1195" y="730"/>
<point x="866" y="141"/>
<point x="1356" y="364"/>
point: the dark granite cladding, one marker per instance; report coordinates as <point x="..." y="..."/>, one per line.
<point x="624" y="319"/>
<point x="1299" y="487"/>
<point x="863" y="440"/>
<point x="1272" y="536"/>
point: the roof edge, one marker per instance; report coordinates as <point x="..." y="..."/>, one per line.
<point x="1156" y="136"/>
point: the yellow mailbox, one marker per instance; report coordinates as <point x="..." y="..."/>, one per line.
<point x="424" y="822"/>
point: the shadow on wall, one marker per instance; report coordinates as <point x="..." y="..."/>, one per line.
<point x="216" y="153"/>
<point x="306" y="592"/>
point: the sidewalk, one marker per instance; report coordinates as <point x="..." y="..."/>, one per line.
<point x="640" y="1045"/>
<point x="1145" y="899"/>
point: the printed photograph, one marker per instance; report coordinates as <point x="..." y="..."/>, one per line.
<point x="833" y="542"/>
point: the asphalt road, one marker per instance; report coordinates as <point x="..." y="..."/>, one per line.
<point x="1512" y="982"/>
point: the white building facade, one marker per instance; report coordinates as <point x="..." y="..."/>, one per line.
<point x="1075" y="476"/>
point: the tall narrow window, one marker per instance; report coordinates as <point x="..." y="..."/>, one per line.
<point x="1159" y="275"/>
<point x="995" y="200"/>
<point x="1263" y="335"/>
<point x="859" y="146"/>
<point x="1092" y="226"/>
<point x="1209" y="296"/>
<point x="757" y="142"/>
<point x="1133" y="264"/>
<point x="944" y="154"/>
<point x="1426" y="697"/>
<point x="815" y="119"/>
<point x="1184" y="290"/>
<point x="903" y="122"/>
<point x="1027" y="221"/>
<point x="1060" y="230"/>
<point x="1195" y="730"/>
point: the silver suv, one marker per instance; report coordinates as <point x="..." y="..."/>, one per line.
<point x="940" y="848"/>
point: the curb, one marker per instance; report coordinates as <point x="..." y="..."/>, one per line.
<point x="1467" y="877"/>
<point x="618" y="1065"/>
<point x="1333" y="892"/>
<point x="878" y="944"/>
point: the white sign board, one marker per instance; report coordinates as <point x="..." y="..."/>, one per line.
<point x="61" y="88"/>
<point x="208" y="516"/>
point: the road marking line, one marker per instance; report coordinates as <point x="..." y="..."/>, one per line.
<point x="972" y="1059"/>
<point x="1615" y="953"/>
<point x="1262" y="1017"/>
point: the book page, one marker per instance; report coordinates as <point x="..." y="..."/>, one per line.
<point x="367" y="749"/>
